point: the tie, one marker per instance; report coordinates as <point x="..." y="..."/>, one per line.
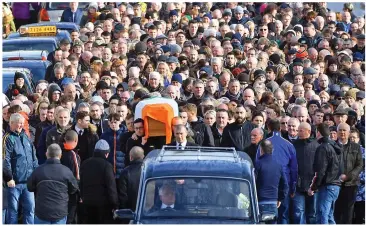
<point x="80" y="132"/>
<point x="73" y="17"/>
<point x="179" y="146"/>
<point x="168" y="207"/>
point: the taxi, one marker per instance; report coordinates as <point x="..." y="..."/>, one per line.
<point x="201" y="185"/>
<point x="37" y="68"/>
<point x="8" y="79"/>
<point x="50" y="29"/>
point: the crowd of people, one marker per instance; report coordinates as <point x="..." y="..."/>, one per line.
<point x="240" y="73"/>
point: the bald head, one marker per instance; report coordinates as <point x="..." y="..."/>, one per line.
<point x="136" y="153"/>
<point x="343" y="126"/>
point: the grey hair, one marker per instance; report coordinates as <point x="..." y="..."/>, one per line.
<point x="137" y="153"/>
<point x="59" y="65"/>
<point x="16" y="117"/>
<point x="165" y="187"/>
<point x="54" y="151"/>
<point x="82" y="105"/>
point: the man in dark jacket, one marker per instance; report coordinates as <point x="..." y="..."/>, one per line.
<point x="20" y="159"/>
<point x="352" y="167"/>
<point x="285" y="154"/>
<point x="72" y="14"/>
<point x="98" y="187"/>
<point x="180" y="134"/>
<point x="304" y="206"/>
<point x="272" y="186"/>
<point x="328" y="168"/>
<point x="256" y="136"/>
<point x="52" y="184"/>
<point x="237" y="134"/>
<point x="87" y="133"/>
<point x="112" y="136"/>
<point x="222" y="118"/>
<point x="128" y="183"/>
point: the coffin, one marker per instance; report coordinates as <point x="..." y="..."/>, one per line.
<point x="157" y="113"/>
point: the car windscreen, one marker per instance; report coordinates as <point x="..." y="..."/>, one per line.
<point x="65" y="5"/>
<point x="197" y="197"/>
<point x="16" y="46"/>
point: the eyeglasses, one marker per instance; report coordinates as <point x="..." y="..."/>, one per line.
<point x="262" y="29"/>
<point x="283" y="123"/>
<point x="138" y="128"/>
<point x="340" y="98"/>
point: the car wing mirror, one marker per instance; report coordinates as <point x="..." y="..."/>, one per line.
<point x="124" y="214"/>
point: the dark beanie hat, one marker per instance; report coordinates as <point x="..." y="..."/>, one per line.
<point x="140" y="47"/>
<point x="314" y="102"/>
<point x="17" y="76"/>
<point x="275" y="58"/>
<point x="177" y="78"/>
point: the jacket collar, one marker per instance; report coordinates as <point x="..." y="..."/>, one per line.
<point x="135" y="162"/>
<point x="265" y="156"/>
<point x="53" y="161"/>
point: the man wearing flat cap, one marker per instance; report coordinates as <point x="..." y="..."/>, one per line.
<point x="98" y="186"/>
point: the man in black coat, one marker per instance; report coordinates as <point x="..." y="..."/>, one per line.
<point x="87" y="135"/>
<point x="353" y="165"/>
<point x="180" y="134"/>
<point x="256" y="136"/>
<point x="328" y="167"/>
<point x="304" y="206"/>
<point x="128" y="183"/>
<point x="98" y="186"/>
<point x="237" y="134"/>
<point x="52" y="183"/>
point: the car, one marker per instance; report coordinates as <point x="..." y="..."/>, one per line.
<point x="65" y="26"/>
<point x="8" y="79"/>
<point x="52" y="11"/>
<point x="41" y="31"/>
<point x="210" y="185"/>
<point x="49" y="44"/>
<point x="25" y="55"/>
<point x="37" y="67"/>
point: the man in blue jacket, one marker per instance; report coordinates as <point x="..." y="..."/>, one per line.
<point x="285" y="154"/>
<point x="72" y="14"/>
<point x="20" y="160"/>
<point x="272" y="184"/>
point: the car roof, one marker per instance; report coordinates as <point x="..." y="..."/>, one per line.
<point x="14" y="69"/>
<point x="32" y="63"/>
<point x="59" y="25"/>
<point x="193" y="162"/>
<point x="61" y="34"/>
<point x="31" y="39"/>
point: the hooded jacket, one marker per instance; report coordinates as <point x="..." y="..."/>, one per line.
<point x="52" y="88"/>
<point x="328" y="164"/>
<point x="116" y="157"/>
<point x="20" y="156"/>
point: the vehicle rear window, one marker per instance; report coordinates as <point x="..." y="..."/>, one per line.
<point x="65" y="5"/>
<point x="7" y="47"/>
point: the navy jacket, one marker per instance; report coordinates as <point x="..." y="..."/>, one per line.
<point x="67" y="16"/>
<point x="52" y="184"/>
<point x="116" y="157"/>
<point x="285" y="154"/>
<point x="272" y="184"/>
<point x="20" y="156"/>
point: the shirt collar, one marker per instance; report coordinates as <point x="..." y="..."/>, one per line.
<point x="182" y="144"/>
<point x="163" y="206"/>
<point x="78" y="129"/>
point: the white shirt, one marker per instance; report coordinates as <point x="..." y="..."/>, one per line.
<point x="78" y="130"/>
<point x="163" y="206"/>
<point x="182" y="145"/>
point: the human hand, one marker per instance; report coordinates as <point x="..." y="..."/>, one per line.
<point x="134" y="136"/>
<point x="278" y="204"/>
<point x="144" y="140"/>
<point x="292" y="195"/>
<point x="179" y="181"/>
<point x="11" y="184"/>
<point x="310" y="192"/>
<point x="343" y="177"/>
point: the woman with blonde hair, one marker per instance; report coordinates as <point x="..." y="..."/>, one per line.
<point x="324" y="96"/>
<point x="166" y="74"/>
<point x="210" y="117"/>
<point x="281" y="71"/>
<point x="287" y="86"/>
<point x="251" y="26"/>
